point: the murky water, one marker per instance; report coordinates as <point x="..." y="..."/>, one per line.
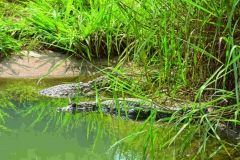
<point x="53" y="140"/>
<point x="25" y="142"/>
<point x="38" y="132"/>
<point x="35" y="131"/>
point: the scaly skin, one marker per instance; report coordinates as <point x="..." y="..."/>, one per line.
<point x="75" y="89"/>
<point x="128" y="107"/>
<point x="131" y="106"/>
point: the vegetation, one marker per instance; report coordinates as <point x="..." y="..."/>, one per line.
<point x="189" y="50"/>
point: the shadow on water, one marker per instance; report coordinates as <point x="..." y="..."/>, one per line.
<point x="37" y="131"/>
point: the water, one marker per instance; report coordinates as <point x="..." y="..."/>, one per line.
<point x="38" y="132"/>
<point x="27" y="142"/>
<point x="48" y="140"/>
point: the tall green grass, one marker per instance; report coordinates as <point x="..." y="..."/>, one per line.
<point x="186" y="49"/>
<point x="10" y="29"/>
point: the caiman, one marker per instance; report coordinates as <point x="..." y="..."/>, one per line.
<point x="130" y="108"/>
<point x="75" y="89"/>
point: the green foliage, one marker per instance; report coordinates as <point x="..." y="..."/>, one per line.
<point x="8" y="30"/>
<point x="178" y="45"/>
<point x="21" y="91"/>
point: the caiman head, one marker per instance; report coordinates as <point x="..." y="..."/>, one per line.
<point x="80" y="107"/>
<point x="71" y="108"/>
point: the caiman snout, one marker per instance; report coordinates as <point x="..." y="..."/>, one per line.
<point x="71" y="108"/>
<point x="59" y="109"/>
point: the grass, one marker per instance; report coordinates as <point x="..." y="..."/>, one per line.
<point x="175" y="46"/>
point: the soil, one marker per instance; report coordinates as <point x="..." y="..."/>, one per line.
<point x="39" y="64"/>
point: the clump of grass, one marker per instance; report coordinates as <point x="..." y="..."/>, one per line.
<point x="21" y="92"/>
<point x="12" y="28"/>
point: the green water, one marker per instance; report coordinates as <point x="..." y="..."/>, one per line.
<point x="26" y="143"/>
<point x="34" y="142"/>
<point x="31" y="135"/>
<point x="37" y="132"/>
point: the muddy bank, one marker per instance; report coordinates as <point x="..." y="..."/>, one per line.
<point x="38" y="64"/>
